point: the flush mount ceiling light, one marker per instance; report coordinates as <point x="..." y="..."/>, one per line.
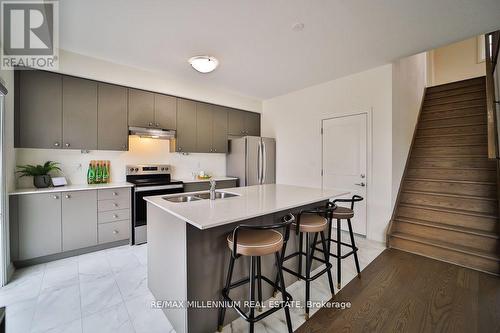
<point x="204" y="64"/>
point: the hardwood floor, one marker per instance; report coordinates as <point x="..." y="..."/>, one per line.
<point x="404" y="292"/>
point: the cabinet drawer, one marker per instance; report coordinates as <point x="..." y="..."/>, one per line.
<point x="113" y="231"/>
<point x="114" y="193"/>
<point x="114" y="204"/>
<point x="114" y="215"/>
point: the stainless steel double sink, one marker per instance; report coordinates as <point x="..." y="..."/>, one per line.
<point x="199" y="196"/>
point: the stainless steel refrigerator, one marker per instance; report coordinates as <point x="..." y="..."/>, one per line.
<point x="252" y="159"/>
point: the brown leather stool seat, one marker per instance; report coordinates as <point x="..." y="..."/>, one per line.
<point x="312" y="223"/>
<point x="342" y="213"/>
<point x="256" y="242"/>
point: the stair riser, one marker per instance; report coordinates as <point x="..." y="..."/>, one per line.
<point x="453" y="237"/>
<point x="448" y="106"/>
<point x="456" y="92"/>
<point x="478" y="175"/>
<point x="476" y="120"/>
<point x="457" y="85"/>
<point x="459" y="258"/>
<point x="452" y="140"/>
<point x="450" y="162"/>
<point x="455" y="98"/>
<point x="479" y="190"/>
<point x="452" y="113"/>
<point x="453" y="219"/>
<point x="479" y="206"/>
<point x="459" y="130"/>
<point x="451" y="151"/>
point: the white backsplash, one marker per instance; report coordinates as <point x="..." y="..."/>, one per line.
<point x="74" y="164"/>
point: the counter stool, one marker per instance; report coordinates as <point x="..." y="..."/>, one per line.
<point x="343" y="213"/>
<point x="311" y="223"/>
<point x="255" y="241"/>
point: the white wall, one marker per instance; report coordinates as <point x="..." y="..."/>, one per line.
<point x="456" y="62"/>
<point x="74" y="164"/>
<point x="295" y="121"/>
<point x="409" y="78"/>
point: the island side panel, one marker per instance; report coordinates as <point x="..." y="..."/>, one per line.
<point x="207" y="263"/>
<point x="167" y="257"/>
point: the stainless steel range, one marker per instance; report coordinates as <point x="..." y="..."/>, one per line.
<point x="149" y="179"/>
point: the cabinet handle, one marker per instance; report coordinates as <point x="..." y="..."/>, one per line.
<point x="115" y="216"/>
<point x="157" y="124"/>
<point x="115" y="194"/>
<point x="124" y="146"/>
<point x="150" y="124"/>
<point x="179" y="149"/>
<point x="56" y="144"/>
<point x="211" y="149"/>
<point x="55" y="197"/>
<point x="115" y="231"/>
<point x="67" y="196"/>
<point x="67" y="145"/>
<point x="115" y="204"/>
<point x="215" y="150"/>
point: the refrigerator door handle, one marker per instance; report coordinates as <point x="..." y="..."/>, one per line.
<point x="259" y="163"/>
<point x="264" y="162"/>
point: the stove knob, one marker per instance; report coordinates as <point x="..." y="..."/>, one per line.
<point x="162" y="169"/>
<point x="131" y="169"/>
<point x="136" y="169"/>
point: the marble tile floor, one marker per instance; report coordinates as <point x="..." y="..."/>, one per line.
<point x="106" y="291"/>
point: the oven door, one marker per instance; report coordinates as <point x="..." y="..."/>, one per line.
<point x="140" y="207"/>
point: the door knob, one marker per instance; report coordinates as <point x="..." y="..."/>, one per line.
<point x="360" y="184"/>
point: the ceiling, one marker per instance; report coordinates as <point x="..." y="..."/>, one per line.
<point x="259" y="53"/>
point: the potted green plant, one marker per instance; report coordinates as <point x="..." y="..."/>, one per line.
<point x="40" y="173"/>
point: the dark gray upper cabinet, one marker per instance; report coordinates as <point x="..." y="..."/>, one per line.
<point x="140" y="108"/>
<point x="252" y="123"/>
<point x="112" y="126"/>
<point x="236" y="121"/>
<point x="165" y="111"/>
<point x="203" y="127"/>
<point x="79" y="113"/>
<point x="185" y="140"/>
<point x="39" y="109"/>
<point x="243" y="123"/>
<point x="219" y="129"/>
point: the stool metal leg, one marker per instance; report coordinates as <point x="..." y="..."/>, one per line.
<point x="313" y="246"/>
<point x="326" y="254"/>
<point x="308" y="273"/>
<point x="301" y="240"/>
<point x="355" y="249"/>
<point x="222" y="310"/>
<point x="277" y="280"/>
<point x="279" y="263"/>
<point x="339" y="255"/>
<point x="252" y="293"/>
<point x="259" y="283"/>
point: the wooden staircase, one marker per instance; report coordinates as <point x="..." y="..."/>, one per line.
<point x="447" y="207"/>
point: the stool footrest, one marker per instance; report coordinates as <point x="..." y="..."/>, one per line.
<point x="312" y="278"/>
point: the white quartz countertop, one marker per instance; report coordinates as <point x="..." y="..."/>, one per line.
<point x="78" y="187"/>
<point x="217" y="179"/>
<point x="257" y="200"/>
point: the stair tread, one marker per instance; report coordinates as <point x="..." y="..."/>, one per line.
<point x="453" y="85"/>
<point x="449" y="246"/>
<point x="450" y="135"/>
<point x="460" y="91"/>
<point x="450" y="181"/>
<point x="453" y="145"/>
<point x="450" y="210"/>
<point x="466" y="230"/>
<point x="452" y="126"/>
<point x="482" y="98"/>
<point x="454" y="117"/>
<point x="427" y="111"/>
<point x="456" y="168"/>
<point x="443" y="194"/>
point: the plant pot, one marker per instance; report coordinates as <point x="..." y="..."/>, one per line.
<point x="41" y="181"/>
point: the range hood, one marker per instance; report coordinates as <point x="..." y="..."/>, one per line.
<point x="155" y="133"/>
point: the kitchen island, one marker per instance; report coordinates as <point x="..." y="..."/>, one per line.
<point x="188" y="254"/>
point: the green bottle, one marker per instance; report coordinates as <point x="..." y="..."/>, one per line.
<point x="91" y="174"/>
<point x="105" y="172"/>
<point x="98" y="177"/>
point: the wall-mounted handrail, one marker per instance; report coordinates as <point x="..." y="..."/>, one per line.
<point x="492" y="43"/>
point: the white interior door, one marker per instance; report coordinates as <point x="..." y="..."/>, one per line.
<point x="345" y="161"/>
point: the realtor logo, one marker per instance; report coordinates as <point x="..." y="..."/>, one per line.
<point x="30" y="34"/>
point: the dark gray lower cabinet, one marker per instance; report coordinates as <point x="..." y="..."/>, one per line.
<point x="79" y="113"/>
<point x="203" y="186"/>
<point x="79" y="219"/>
<point x="39" y="225"/>
<point x="112" y="127"/>
<point x="38" y="109"/>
